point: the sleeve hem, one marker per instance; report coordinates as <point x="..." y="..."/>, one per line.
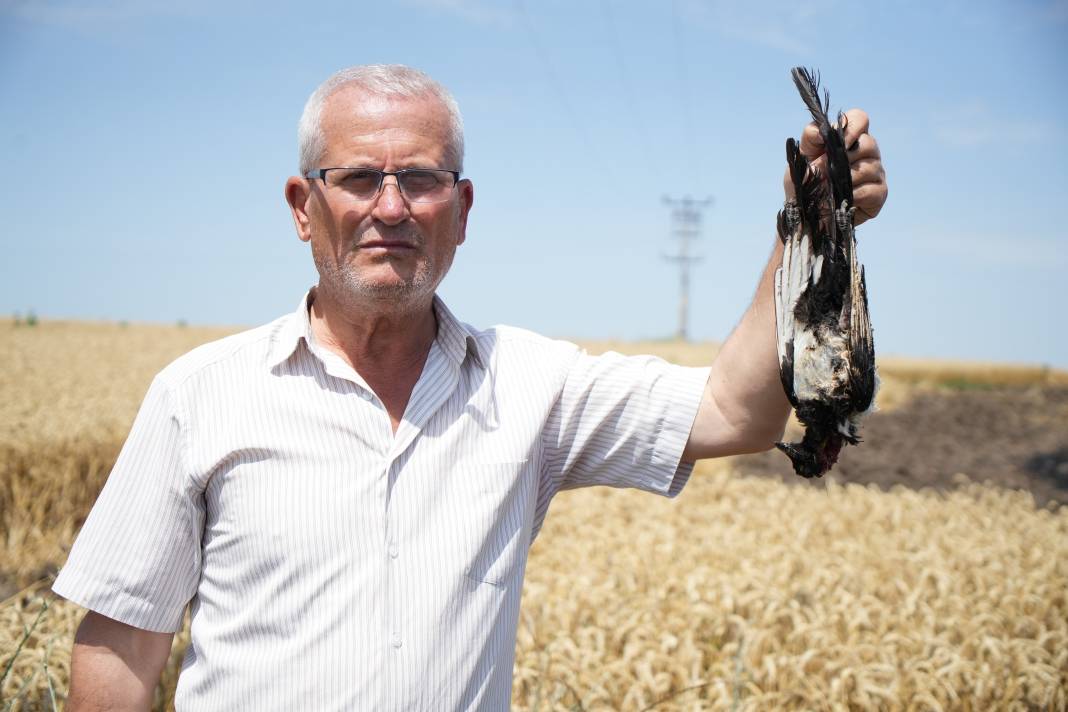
<point x="688" y="387"/>
<point x="117" y="605"/>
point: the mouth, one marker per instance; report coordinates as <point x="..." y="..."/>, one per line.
<point x="388" y="245"/>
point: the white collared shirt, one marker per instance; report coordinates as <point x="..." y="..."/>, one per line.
<point x="334" y="565"/>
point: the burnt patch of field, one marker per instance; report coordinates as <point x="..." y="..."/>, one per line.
<point x="1015" y="437"/>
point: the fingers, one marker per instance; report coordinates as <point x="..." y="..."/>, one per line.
<point x="869" y="189"/>
<point x="870" y="170"/>
<point x="868" y="176"/>
<point x="856" y="126"/>
<point x="865" y="163"/>
<point x="869" y="201"/>
<point x="863" y="148"/>
<point x="811" y="143"/>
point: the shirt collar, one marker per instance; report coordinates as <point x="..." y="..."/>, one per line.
<point x="454" y="337"/>
<point x="289" y="331"/>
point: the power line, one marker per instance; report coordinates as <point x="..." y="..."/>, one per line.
<point x="683" y="85"/>
<point x="624" y="79"/>
<point x="554" y="81"/>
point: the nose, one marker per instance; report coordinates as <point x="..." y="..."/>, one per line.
<point x="390" y="206"/>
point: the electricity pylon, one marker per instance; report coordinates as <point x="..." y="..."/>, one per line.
<point x="686" y="226"/>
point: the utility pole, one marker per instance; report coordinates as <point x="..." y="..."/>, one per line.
<point x="686" y="226"/>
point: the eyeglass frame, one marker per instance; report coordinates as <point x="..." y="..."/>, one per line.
<point x="320" y="173"/>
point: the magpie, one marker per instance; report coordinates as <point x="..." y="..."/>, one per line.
<point x="824" y="336"/>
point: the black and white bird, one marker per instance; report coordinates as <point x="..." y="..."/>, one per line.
<point x="826" y="352"/>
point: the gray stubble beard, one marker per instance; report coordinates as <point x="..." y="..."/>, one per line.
<point x="354" y="293"/>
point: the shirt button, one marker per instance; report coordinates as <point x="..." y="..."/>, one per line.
<point x="396" y="640"/>
<point x="393" y="549"/>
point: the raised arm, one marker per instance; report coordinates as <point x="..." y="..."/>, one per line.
<point x="115" y="666"/>
<point x="744" y="408"/>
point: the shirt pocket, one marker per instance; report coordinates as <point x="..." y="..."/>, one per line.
<point x="500" y="508"/>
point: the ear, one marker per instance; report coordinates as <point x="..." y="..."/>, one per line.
<point x="467" y="199"/>
<point x="298" y="194"/>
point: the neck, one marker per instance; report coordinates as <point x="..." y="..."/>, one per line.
<point x="372" y="338"/>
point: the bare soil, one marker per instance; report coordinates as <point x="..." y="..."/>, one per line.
<point x="1014" y="437"/>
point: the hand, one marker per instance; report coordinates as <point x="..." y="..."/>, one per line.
<point x="865" y="162"/>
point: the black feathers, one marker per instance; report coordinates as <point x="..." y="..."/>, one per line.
<point x="833" y="136"/>
<point x="824" y="338"/>
<point x="808" y="85"/>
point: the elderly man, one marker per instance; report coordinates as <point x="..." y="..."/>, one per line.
<point x="346" y="496"/>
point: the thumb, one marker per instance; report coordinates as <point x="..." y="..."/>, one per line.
<point x="811" y="144"/>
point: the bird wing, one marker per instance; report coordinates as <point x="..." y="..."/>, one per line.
<point x="800" y="271"/>
<point x="784" y="331"/>
<point x="863" y="378"/>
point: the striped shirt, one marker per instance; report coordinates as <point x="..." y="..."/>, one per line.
<point x="331" y="564"/>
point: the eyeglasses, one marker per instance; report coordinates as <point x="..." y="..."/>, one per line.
<point x="417" y="185"/>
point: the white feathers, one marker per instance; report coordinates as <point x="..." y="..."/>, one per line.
<point x="800" y="269"/>
<point x="819" y="366"/>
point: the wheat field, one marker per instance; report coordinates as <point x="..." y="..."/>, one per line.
<point x="742" y="594"/>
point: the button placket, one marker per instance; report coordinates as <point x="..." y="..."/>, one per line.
<point x="394" y="615"/>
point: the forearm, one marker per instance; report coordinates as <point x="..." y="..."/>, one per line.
<point x="746" y="372"/>
<point x="115" y="666"/>
<point x="744" y="408"/>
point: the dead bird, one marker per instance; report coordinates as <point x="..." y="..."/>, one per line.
<point x="826" y="351"/>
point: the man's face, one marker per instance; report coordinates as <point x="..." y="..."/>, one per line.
<point x="386" y="249"/>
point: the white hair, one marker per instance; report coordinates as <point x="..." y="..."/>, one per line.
<point x="387" y="80"/>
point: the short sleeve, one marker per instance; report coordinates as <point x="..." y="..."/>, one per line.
<point x="137" y="558"/>
<point x="623" y="421"/>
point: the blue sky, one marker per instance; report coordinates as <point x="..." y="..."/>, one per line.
<point x="145" y="145"/>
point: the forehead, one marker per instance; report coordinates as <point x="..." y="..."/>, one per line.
<point x="359" y="124"/>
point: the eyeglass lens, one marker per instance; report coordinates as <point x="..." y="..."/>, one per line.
<point x="417" y="185"/>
